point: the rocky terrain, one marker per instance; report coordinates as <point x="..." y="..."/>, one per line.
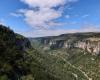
<point x="70" y="56"/>
<point x="86" y="41"/>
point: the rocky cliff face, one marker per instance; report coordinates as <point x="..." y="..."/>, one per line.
<point x="92" y="47"/>
<point x="89" y="43"/>
<point x="23" y="43"/>
<point x="10" y="38"/>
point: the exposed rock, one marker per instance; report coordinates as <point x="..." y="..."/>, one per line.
<point x="90" y="44"/>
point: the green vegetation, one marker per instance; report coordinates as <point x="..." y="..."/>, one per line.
<point x="84" y="63"/>
<point x="15" y="61"/>
<point x="69" y="63"/>
<point x="20" y="61"/>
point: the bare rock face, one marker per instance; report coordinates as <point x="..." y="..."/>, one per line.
<point x="91" y="45"/>
<point x="56" y="44"/>
<point x="87" y="41"/>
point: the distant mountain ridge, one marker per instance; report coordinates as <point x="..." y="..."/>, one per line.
<point x="86" y="41"/>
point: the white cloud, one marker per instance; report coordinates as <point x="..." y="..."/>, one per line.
<point x="67" y="16"/>
<point x="41" y="33"/>
<point x="2" y="21"/>
<point x="41" y="18"/>
<point x="41" y="13"/>
<point x="84" y="16"/>
<point x="44" y="3"/>
<point x="15" y="14"/>
<point x="90" y="27"/>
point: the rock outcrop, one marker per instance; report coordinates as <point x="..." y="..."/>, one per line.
<point x="89" y="43"/>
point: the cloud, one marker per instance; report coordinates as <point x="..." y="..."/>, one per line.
<point x="85" y="16"/>
<point x="44" y="3"/>
<point x="41" y="18"/>
<point x="41" y="13"/>
<point x="90" y="28"/>
<point x="15" y="14"/>
<point x="67" y="16"/>
<point x="42" y="33"/>
<point x="2" y="21"/>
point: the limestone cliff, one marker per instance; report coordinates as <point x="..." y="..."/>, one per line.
<point x="86" y="41"/>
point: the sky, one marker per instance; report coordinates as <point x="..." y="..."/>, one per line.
<point x="37" y="18"/>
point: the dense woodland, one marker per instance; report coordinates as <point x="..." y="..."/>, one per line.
<point x="15" y="62"/>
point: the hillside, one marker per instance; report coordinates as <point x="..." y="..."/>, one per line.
<point x="16" y="62"/>
<point x="87" y="41"/>
<point x="75" y="56"/>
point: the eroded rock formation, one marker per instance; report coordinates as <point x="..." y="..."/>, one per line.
<point x="91" y="45"/>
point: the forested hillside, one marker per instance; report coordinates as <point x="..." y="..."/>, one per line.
<point x="72" y="56"/>
<point x="16" y="62"/>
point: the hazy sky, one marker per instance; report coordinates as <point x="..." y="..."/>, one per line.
<point x="35" y="18"/>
